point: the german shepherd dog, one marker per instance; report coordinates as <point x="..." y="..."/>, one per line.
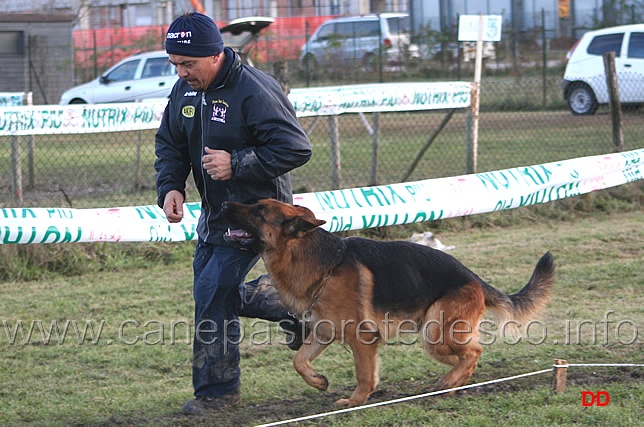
<point x="362" y="291"/>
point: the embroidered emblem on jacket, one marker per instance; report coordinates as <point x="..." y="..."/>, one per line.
<point x="188" y="111"/>
<point x="219" y="109"/>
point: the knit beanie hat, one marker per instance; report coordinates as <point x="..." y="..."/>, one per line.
<point x="194" y="34"/>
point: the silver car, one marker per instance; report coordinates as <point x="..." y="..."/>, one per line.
<point x="359" y="40"/>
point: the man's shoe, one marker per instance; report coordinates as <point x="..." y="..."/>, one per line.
<point x="204" y="405"/>
<point x="296" y="333"/>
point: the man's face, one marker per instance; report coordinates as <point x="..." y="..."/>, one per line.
<point x="198" y="72"/>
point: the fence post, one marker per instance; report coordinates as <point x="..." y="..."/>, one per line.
<point x="31" y="161"/>
<point x="31" y="149"/>
<point x="334" y="145"/>
<point x="375" y="141"/>
<point x="95" y="54"/>
<point x="614" y="101"/>
<point x="306" y="53"/>
<point x="544" y="55"/>
<point x="473" y="116"/>
<point x="16" y="170"/>
<point x="560" y="373"/>
<point x="138" y="181"/>
<point x="471" y="143"/>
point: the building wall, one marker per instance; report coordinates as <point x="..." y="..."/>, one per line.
<point x="45" y="65"/>
<point x="37" y="5"/>
<point x="527" y="13"/>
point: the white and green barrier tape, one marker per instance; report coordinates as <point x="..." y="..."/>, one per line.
<point x="319" y="101"/>
<point x="349" y="209"/>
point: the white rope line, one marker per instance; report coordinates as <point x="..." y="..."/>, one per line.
<point x="434" y="393"/>
<point x="403" y="399"/>
<point x="601" y="364"/>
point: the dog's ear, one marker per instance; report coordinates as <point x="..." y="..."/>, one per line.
<point x="298" y="226"/>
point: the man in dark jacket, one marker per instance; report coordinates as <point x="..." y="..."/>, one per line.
<point x="234" y="128"/>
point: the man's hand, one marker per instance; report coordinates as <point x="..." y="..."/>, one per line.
<point x="173" y="206"/>
<point x="217" y="164"/>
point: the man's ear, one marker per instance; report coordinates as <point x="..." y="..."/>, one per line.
<point x="298" y="226"/>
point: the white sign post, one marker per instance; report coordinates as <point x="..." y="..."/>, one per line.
<point x="469" y="25"/>
<point x="477" y="28"/>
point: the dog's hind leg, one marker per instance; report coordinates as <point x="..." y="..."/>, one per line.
<point x="366" y="365"/>
<point x="303" y="359"/>
<point x="451" y="334"/>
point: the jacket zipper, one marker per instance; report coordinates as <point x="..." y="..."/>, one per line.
<point x="203" y="150"/>
<point x="204" y="175"/>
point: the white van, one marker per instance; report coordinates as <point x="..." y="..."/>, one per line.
<point x="356" y="41"/>
<point x="584" y="82"/>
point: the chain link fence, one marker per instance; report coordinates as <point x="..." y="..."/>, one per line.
<point x="524" y="120"/>
<point x="116" y="169"/>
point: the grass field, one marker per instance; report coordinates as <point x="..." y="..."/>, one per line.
<point x="134" y="368"/>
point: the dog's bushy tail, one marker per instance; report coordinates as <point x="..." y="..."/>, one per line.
<point x="526" y="304"/>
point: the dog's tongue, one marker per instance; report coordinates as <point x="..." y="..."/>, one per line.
<point x="237" y="233"/>
<point x="240" y="238"/>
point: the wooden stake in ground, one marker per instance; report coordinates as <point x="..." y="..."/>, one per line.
<point x="561" y="370"/>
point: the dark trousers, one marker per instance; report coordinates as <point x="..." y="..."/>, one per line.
<point x="220" y="298"/>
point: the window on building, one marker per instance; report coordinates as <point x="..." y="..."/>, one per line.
<point x="12" y="42"/>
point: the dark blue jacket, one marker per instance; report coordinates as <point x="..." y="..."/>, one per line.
<point x="244" y="112"/>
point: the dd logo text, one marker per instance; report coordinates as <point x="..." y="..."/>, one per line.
<point x="600" y="398"/>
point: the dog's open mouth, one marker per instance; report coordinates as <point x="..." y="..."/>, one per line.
<point x="240" y="237"/>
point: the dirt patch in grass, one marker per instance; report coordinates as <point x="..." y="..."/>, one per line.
<point x="286" y="409"/>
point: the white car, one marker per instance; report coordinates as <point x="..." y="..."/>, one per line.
<point x="584" y="81"/>
<point x="150" y="75"/>
<point x="135" y="78"/>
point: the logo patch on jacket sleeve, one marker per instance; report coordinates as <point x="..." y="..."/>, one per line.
<point x="188" y="111"/>
<point x="219" y="109"/>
